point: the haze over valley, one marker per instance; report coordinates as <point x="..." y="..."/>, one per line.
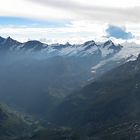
<point x="69" y="70"/>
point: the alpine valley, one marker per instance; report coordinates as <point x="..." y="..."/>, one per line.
<point x="87" y="91"/>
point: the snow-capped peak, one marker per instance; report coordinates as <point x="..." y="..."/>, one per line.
<point x="85" y="49"/>
<point x="108" y="43"/>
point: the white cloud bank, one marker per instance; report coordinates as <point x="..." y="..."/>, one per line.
<point x="89" y="18"/>
<point x="76" y="32"/>
<point x="121" y="11"/>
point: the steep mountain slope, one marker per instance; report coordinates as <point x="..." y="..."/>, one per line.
<point x="123" y="131"/>
<point x="111" y="100"/>
<point x="34" y="75"/>
<point x="54" y="134"/>
<point x="8" y="44"/>
<point x="38" y="79"/>
<point x="12" y="125"/>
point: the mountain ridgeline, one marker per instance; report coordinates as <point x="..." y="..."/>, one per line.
<point x="77" y="91"/>
<point x="34" y="75"/>
<point x="9" y="44"/>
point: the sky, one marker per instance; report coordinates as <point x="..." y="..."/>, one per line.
<point x="74" y="21"/>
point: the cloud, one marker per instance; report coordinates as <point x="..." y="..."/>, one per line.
<point x="76" y="19"/>
<point x="110" y="11"/>
<point x="76" y="32"/>
<point x="118" y="32"/>
<point x="31" y="10"/>
<point x="95" y="12"/>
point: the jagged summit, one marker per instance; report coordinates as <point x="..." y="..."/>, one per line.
<point x="109" y="42"/>
<point x="110" y="45"/>
<point x="85" y="49"/>
<point x="1" y="39"/>
<point x="89" y="42"/>
<point x="10" y="40"/>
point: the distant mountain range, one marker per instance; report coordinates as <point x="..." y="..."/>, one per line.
<point x="32" y="70"/>
<point x="88" y="48"/>
<point x="91" y="54"/>
<point x="91" y="88"/>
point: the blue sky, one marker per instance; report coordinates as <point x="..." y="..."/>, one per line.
<point x="18" y="21"/>
<point x="118" y="32"/>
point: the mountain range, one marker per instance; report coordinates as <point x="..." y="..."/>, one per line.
<point x="89" y="47"/>
<point x="76" y="91"/>
<point x="108" y="108"/>
<point x="33" y="69"/>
